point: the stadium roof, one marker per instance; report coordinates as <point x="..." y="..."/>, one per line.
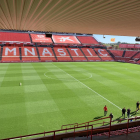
<point x="113" y="17"/>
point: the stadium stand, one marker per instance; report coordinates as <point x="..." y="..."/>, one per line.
<point x="0" y="54"/>
<point x="117" y="54"/>
<point x="10" y="37"/>
<point x="137" y="56"/>
<point x="129" y="54"/>
<point x="29" y="54"/>
<point x="90" y="54"/>
<point x="62" y="54"/>
<point x="87" y="40"/>
<point x="10" y="54"/>
<point x="105" y="56"/>
<point x="138" y="62"/>
<point x="46" y="54"/>
<point x="77" y="54"/>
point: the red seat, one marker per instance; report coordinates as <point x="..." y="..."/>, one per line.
<point x="29" y="54"/>
<point x="87" y="40"/>
<point x="90" y="54"/>
<point x="76" y="54"/>
<point x="129" y="54"/>
<point x="104" y="54"/>
<point x="10" y="54"/>
<point x="46" y="54"/>
<point x="137" y="56"/>
<point x="62" y="54"/>
<point x="117" y="53"/>
<point x="14" y="37"/>
<point x="138" y="62"/>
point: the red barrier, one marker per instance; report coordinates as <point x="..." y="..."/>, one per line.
<point x="129" y="46"/>
<point x="122" y="45"/>
<point x="137" y="46"/>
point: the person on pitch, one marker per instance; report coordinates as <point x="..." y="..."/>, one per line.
<point x="128" y="112"/>
<point x="111" y="116"/>
<point x="105" y="110"/>
<point x="123" y="112"/>
<point x="137" y="106"/>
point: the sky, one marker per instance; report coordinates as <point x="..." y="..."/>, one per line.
<point x="107" y="39"/>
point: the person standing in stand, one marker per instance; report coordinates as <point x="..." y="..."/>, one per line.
<point x="128" y="112"/>
<point x="105" y="110"/>
<point x="137" y="106"/>
<point x="123" y="112"/>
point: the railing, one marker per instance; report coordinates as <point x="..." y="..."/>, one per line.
<point x="88" y="128"/>
<point x="135" y="118"/>
<point x="54" y="133"/>
<point x="76" y="126"/>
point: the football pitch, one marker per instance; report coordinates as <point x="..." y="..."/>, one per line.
<point x="58" y="93"/>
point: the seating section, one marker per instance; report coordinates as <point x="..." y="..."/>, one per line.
<point x="87" y="40"/>
<point x="46" y="54"/>
<point x="14" y="37"/>
<point x="76" y="54"/>
<point x="29" y="54"/>
<point x="0" y="53"/>
<point x="10" y="54"/>
<point x="90" y="54"/>
<point x="117" y="53"/>
<point x="62" y="54"/>
<point x="105" y="56"/>
<point x="137" y="56"/>
<point x="129" y="54"/>
<point x="138" y="62"/>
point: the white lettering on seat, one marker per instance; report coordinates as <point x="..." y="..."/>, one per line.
<point x="31" y="52"/>
<point x="61" y="52"/>
<point x="75" y="50"/>
<point x="46" y="51"/>
<point x="63" y="39"/>
<point x="101" y="52"/>
<point x="89" y="52"/>
<point x="12" y="50"/>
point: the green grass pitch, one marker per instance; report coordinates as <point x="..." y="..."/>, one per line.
<point x="54" y="94"/>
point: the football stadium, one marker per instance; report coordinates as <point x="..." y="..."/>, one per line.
<point x="57" y="81"/>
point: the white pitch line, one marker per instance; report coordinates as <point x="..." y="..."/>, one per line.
<point x="89" y="88"/>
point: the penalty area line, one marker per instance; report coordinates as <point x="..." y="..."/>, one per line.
<point x="89" y="88"/>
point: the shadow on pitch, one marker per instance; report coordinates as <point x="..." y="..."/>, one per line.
<point x="98" y="117"/>
<point x="133" y="113"/>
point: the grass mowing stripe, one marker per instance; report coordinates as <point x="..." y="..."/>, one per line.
<point x="89" y="88"/>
